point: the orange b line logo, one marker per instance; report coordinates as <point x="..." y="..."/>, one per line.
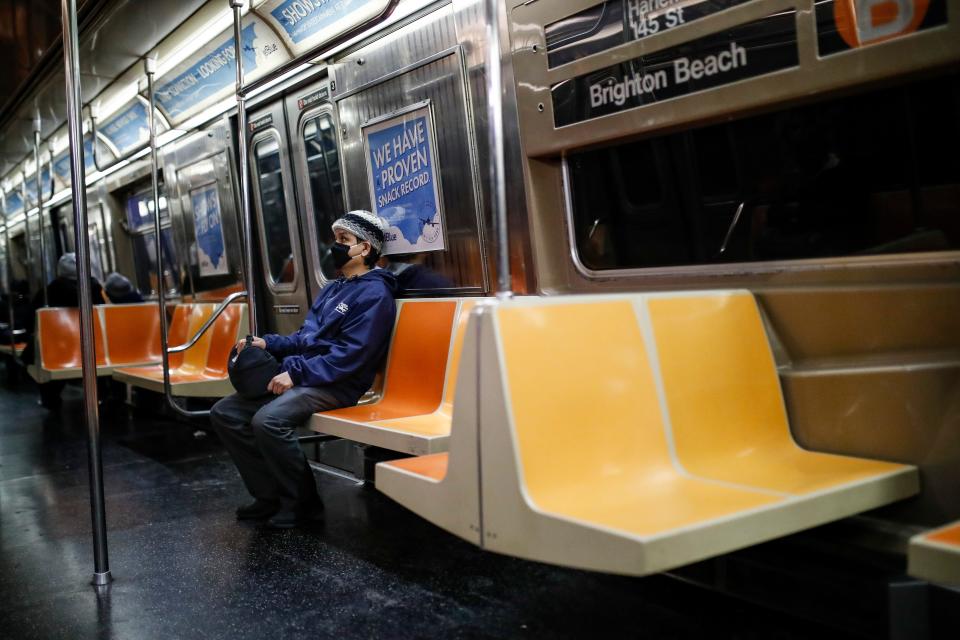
<point x="862" y="22"/>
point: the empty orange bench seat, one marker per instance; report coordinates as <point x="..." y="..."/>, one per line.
<point x="132" y="333"/>
<point x="600" y="460"/>
<point x="201" y="370"/>
<point x="935" y="555"/>
<point x="58" y="344"/>
<point x="125" y="334"/>
<point x="432" y="466"/>
<point x="15" y="350"/>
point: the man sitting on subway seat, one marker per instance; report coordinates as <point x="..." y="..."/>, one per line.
<point x="328" y="363"/>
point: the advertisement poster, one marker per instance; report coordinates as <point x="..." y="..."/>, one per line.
<point x="301" y="19"/>
<point x="128" y="128"/>
<point x="211" y="254"/>
<point x="403" y="181"/>
<point x="209" y="74"/>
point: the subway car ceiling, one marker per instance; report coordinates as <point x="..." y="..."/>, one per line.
<point x="194" y="89"/>
<point x="193" y="45"/>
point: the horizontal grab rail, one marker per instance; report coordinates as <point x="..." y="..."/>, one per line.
<point x="209" y="323"/>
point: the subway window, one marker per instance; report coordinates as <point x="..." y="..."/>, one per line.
<point x="860" y="175"/>
<point x="273" y="209"/>
<point x="323" y="168"/>
<point x="140" y="225"/>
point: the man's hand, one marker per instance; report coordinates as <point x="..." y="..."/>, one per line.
<point x="280" y="383"/>
<point x="259" y="343"/>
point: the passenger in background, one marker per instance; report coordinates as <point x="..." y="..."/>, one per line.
<point x="120" y="290"/>
<point x="62" y="291"/>
<point x="328" y="363"/>
<point x="21" y="310"/>
<point x="413" y="275"/>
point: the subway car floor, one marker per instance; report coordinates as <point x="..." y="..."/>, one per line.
<point x="184" y="568"/>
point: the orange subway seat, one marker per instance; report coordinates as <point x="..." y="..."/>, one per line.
<point x="195" y="358"/>
<point x="133" y="333"/>
<point x="58" y="333"/>
<point x="935" y="555"/>
<point x="223" y="337"/>
<point x="949" y="535"/>
<point x="622" y="476"/>
<point x="178" y="331"/>
<point x="432" y="466"/>
<point x="438" y="422"/>
<point x="417" y="364"/>
<point x="201" y="370"/>
<point x="177" y="376"/>
<point x="578" y="461"/>
<point x="726" y="408"/>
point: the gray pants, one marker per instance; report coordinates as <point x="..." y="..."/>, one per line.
<point x="261" y="438"/>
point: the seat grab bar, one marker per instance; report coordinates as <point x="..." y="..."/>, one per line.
<point x="233" y="297"/>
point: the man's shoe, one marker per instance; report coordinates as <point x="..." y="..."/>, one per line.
<point x="257" y="510"/>
<point x="291" y="519"/>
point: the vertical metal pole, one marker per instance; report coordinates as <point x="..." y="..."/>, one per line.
<point x="7" y="263"/>
<point x="498" y="179"/>
<point x="244" y="170"/>
<point x="50" y="161"/>
<point x="53" y="187"/>
<point x="71" y="61"/>
<point x="150" y="68"/>
<point x="28" y="244"/>
<point x="9" y="272"/>
<point x="44" y="280"/>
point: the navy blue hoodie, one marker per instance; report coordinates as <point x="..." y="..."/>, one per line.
<point x="344" y="337"/>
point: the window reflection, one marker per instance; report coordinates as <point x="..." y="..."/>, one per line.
<point x="140" y="222"/>
<point x="851" y="176"/>
<point x="323" y="169"/>
<point x="273" y="209"/>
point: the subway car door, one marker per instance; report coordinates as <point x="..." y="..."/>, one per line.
<point x="284" y="287"/>
<point x="60" y="237"/>
<point x="316" y="162"/>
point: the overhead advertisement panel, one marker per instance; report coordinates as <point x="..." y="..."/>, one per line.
<point x="308" y="23"/>
<point x="61" y="164"/>
<point x="13" y="202"/>
<point x="209" y="75"/>
<point x="32" y="186"/>
<point x="128" y="128"/>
